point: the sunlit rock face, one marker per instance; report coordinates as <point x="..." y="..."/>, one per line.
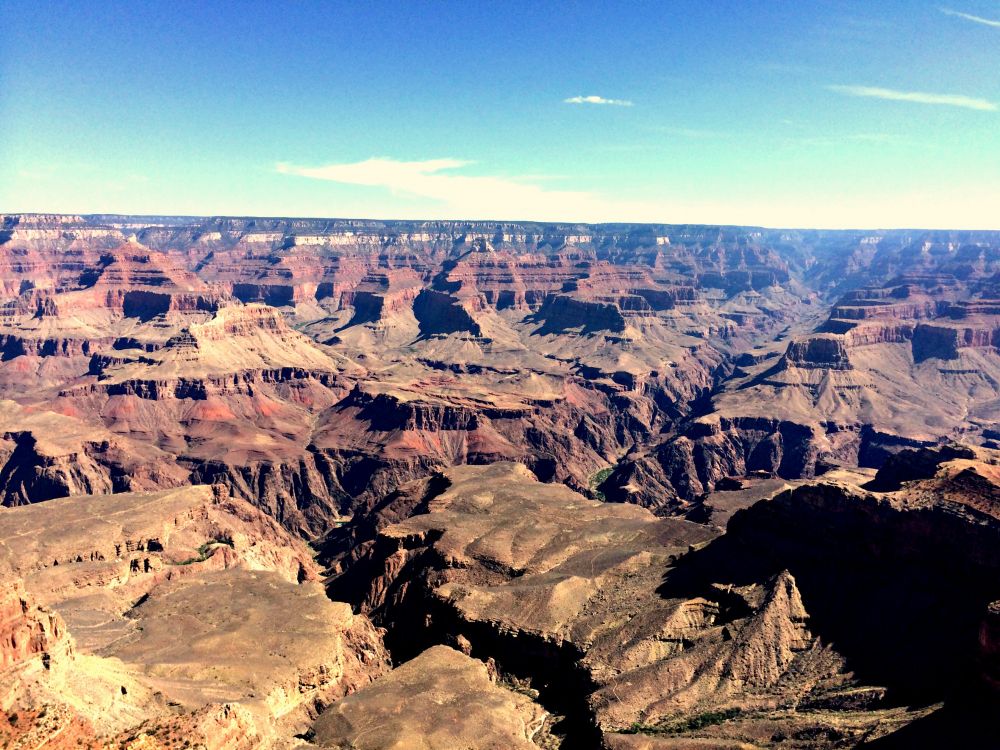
<point x="180" y="613"/>
<point x="313" y="365"/>
<point x="806" y="618"/>
<point x="584" y="486"/>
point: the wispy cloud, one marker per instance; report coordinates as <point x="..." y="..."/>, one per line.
<point x="432" y="190"/>
<point x="969" y="17"/>
<point x="597" y="100"/>
<point x="463" y="195"/>
<point x="919" y="97"/>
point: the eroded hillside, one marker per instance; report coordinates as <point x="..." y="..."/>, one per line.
<point x="313" y="365"/>
<point x="582" y="486"/>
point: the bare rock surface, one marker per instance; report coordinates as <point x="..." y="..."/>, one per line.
<point x="439" y="700"/>
<point x="664" y="486"/>
<point x="180" y="611"/>
<point x="313" y="366"/>
<point x="664" y="633"/>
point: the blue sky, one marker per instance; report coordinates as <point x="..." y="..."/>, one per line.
<point x="776" y="113"/>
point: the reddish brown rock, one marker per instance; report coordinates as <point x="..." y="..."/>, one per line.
<point x="27" y="631"/>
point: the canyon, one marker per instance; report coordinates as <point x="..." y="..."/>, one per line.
<point x="342" y="483"/>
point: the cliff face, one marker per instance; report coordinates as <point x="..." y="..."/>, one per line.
<point x="311" y="366"/>
<point x="155" y="350"/>
<point x="812" y="607"/>
<point x="442" y="407"/>
<point x="850" y="555"/>
<point x="710" y="450"/>
<point x="47" y="454"/>
<point x="820" y="352"/>
<point x="194" y="614"/>
<point x="944" y="340"/>
<point x="561" y="312"/>
<point x="27" y="631"/>
<point x="896" y="365"/>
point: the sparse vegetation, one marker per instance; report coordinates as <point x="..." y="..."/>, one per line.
<point x="598" y="479"/>
<point x="205" y="550"/>
<point x="688" y="724"/>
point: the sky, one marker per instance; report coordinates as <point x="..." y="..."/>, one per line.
<point x="760" y="112"/>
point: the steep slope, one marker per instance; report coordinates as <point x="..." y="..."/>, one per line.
<point x="675" y="356"/>
<point x="560" y="346"/>
<point x="912" y="362"/>
<point x="803" y="626"/>
<point x="442" y="407"/>
<point x="146" y="613"/>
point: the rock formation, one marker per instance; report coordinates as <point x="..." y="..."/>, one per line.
<point x="800" y="625"/>
<point x="624" y="486"/>
<point x="439" y="700"/>
<point x="170" y="611"/>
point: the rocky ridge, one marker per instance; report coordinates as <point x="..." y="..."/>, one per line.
<point x="636" y="626"/>
<point x="154" y="614"/>
<point x="442" y="407"/>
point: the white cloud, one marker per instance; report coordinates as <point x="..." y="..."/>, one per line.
<point x="430" y="190"/>
<point x="919" y="97"/>
<point x="970" y="17"/>
<point x="597" y="100"/>
<point x="463" y="196"/>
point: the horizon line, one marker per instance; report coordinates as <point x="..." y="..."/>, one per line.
<point x="721" y="225"/>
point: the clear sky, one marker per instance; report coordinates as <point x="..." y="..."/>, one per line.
<point x="767" y="112"/>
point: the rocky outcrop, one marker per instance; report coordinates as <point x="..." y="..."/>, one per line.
<point x="513" y="569"/>
<point x="349" y="380"/>
<point x="909" y="465"/>
<point x="865" y="310"/>
<point x="685" y="467"/>
<point x="826" y="352"/>
<point x="163" y="575"/>
<point x="894" y="366"/>
<point x="191" y="385"/>
<point x="376" y="439"/>
<point x="241" y="321"/>
<point x="502" y="585"/>
<point x="133" y="545"/>
<point x="561" y="313"/>
<point x="746" y="666"/>
<point x="18" y="345"/>
<point x="442" y="697"/>
<point x="656" y="626"/>
<point x="27" y="631"/>
<point x="875" y="333"/>
<point x="437" y="313"/>
<point x="44" y="455"/>
<point x="227" y="726"/>
<point x="932" y="540"/>
<point x="936" y="341"/>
